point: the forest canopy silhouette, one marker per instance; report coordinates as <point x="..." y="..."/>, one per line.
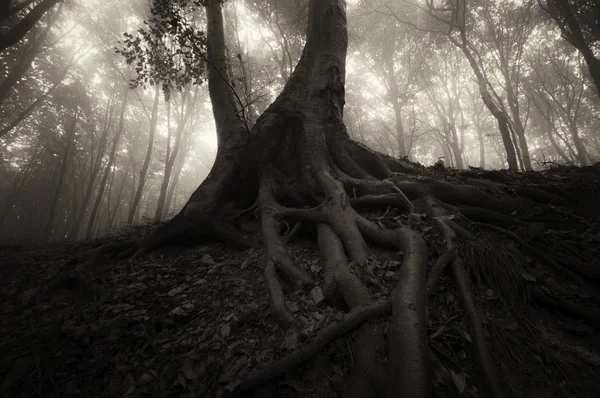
<point x="301" y="198"/>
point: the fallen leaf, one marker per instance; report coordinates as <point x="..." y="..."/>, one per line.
<point x="317" y="295"/>
<point x="290" y="341"/>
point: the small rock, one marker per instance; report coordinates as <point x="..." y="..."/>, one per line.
<point x="390" y="274"/>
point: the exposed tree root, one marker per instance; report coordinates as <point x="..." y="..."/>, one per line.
<point x="332" y="332"/>
<point x="489" y="377"/>
<point x="438" y="269"/>
<point x="359" y="180"/>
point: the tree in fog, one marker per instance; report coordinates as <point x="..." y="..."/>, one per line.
<point x="296" y="162"/>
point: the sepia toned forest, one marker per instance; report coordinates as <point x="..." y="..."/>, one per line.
<point x="84" y="152"/>
<point x="316" y="198"/>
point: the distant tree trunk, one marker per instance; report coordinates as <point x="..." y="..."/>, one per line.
<point x="170" y="161"/>
<point x="582" y="154"/>
<point x="394" y="98"/>
<point x="495" y="110"/>
<point x="179" y="162"/>
<point x="456" y="148"/>
<point x="61" y="176"/>
<point x="557" y="148"/>
<point x="481" y="148"/>
<point x="523" y="146"/>
<point x="19" y="181"/>
<point x="118" y="202"/>
<point x="95" y="166"/>
<point x="134" y="211"/>
<point x="108" y="169"/>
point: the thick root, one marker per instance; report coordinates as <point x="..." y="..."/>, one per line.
<point x="279" y="368"/>
<point x="407" y="336"/>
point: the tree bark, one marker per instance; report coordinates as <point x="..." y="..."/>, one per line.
<point x="144" y="171"/>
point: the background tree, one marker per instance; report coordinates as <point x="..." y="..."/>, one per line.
<point x="578" y="23"/>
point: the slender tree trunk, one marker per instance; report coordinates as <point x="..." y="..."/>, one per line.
<point x="144" y="171"/>
<point x="170" y="161"/>
<point x="179" y="162"/>
<point x="555" y="145"/>
<point x="107" y="171"/>
<point x="481" y="148"/>
<point x="95" y="166"/>
<point x="582" y="154"/>
<point x="117" y="207"/>
<point x="495" y="110"/>
<point x="61" y="176"/>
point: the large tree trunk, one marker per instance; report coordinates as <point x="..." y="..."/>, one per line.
<point x="134" y="210"/>
<point x="298" y="163"/>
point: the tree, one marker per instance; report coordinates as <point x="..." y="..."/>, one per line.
<point x="578" y="23"/>
<point x="111" y="161"/>
<point x="144" y="171"/>
<point x="62" y="172"/>
<point x="298" y="163"/>
<point x="454" y="20"/>
<point x="187" y="107"/>
<point x="19" y="29"/>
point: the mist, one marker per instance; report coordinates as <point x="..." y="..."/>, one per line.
<point x="359" y="198"/>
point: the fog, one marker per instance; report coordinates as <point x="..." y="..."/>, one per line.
<point x="89" y="144"/>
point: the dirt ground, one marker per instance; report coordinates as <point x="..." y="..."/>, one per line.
<point x="194" y="320"/>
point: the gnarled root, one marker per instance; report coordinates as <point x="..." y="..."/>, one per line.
<point x="489" y="377"/>
<point x="330" y="333"/>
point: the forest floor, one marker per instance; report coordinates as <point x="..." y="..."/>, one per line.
<point x="191" y="320"/>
